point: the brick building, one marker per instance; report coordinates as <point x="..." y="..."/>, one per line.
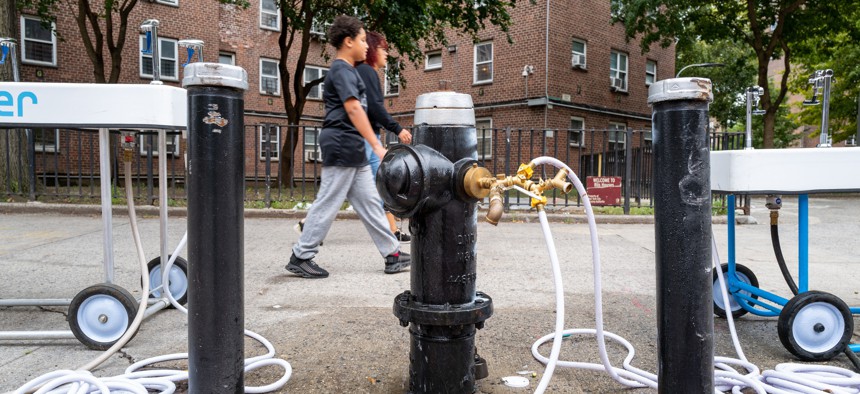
<point x="567" y="69"/>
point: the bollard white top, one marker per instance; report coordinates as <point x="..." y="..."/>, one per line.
<point x="215" y="74"/>
<point x="696" y="89"/>
<point x="444" y="108"/>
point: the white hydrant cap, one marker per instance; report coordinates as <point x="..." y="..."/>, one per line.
<point x="444" y="108"/>
<point x="215" y="74"/>
<point x="697" y="89"/>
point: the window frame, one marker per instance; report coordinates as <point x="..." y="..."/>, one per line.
<point x="47" y="148"/>
<point x="24" y="40"/>
<point x="653" y="74"/>
<point x="277" y="78"/>
<point x="315" y="31"/>
<point x="276" y="13"/>
<point x="475" y="63"/>
<point x="153" y="134"/>
<point x="580" y="131"/>
<point x="584" y="53"/>
<point x="615" y="72"/>
<point x="483" y="136"/>
<point x="321" y="71"/>
<point x="387" y="84"/>
<point x="315" y="147"/>
<point x="230" y="54"/>
<point x="141" y="56"/>
<point x="614" y="129"/>
<point x="276" y="153"/>
<point x="427" y="66"/>
<point x="172" y="3"/>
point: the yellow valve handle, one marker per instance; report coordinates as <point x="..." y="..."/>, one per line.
<point x="535" y="202"/>
<point x="526" y="171"/>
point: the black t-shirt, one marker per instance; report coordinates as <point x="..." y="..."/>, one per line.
<point x="340" y="142"/>
<point x="376" y="112"/>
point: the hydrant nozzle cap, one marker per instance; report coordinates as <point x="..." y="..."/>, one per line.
<point x="695" y="89"/>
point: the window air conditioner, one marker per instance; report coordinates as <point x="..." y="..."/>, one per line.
<point x="617" y="83"/>
<point x="313" y="155"/>
<point x="578" y="60"/>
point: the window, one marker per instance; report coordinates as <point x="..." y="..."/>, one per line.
<point x="311" y="146"/>
<point x="150" y="141"/>
<point x="392" y="85"/>
<point x="167" y="51"/>
<point x="483" y="72"/>
<point x="650" y="72"/>
<point x="648" y="138"/>
<point x="617" y="136"/>
<point x="47" y="140"/>
<point x="433" y="60"/>
<point x="578" y="54"/>
<point x="576" y="133"/>
<point x="618" y="71"/>
<point x="484" y="130"/>
<point x="311" y="74"/>
<point x="318" y="29"/>
<point x="270" y="137"/>
<point x="270" y="18"/>
<point x="270" y="78"/>
<point x="38" y="44"/>
<point x="169" y="2"/>
<point x="617" y="8"/>
<point x="227" y="58"/>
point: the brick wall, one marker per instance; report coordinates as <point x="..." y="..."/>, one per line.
<point x="233" y="30"/>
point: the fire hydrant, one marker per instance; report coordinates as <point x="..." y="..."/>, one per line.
<point x="424" y="182"/>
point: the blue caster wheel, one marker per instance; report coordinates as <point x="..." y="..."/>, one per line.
<point x="815" y="326"/>
<point x="177" y="279"/>
<point x="744" y="275"/>
<point x="99" y="315"/>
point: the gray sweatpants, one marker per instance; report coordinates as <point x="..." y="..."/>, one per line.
<point x="356" y="185"/>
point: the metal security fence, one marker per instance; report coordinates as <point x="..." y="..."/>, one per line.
<point x="62" y="165"/>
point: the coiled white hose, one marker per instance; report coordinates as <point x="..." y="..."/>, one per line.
<point x="786" y="378"/>
<point x="82" y="381"/>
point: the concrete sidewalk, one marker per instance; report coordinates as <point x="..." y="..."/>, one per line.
<point x="339" y="333"/>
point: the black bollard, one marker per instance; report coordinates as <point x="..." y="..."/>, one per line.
<point x="216" y="151"/>
<point x="443" y="308"/>
<point x="682" y="217"/>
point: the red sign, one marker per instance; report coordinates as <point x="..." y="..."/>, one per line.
<point x="603" y="190"/>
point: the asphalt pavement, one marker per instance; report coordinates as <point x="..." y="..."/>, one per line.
<point x="339" y="333"/>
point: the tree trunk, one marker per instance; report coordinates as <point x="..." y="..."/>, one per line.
<point x="768" y="129"/>
<point x="14" y="166"/>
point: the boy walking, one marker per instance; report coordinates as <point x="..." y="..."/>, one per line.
<point x="346" y="172"/>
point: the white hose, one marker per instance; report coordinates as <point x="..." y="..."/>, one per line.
<point x="138" y="382"/>
<point x="787" y="378"/>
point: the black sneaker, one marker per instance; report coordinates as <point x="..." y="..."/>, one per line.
<point x="397" y="262"/>
<point x="402" y="237"/>
<point x="306" y="268"/>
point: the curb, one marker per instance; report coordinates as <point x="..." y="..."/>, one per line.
<point x="152" y="211"/>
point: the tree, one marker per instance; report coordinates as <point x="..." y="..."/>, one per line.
<point x="101" y="25"/>
<point x="729" y="81"/>
<point x="13" y="152"/>
<point x="840" y="54"/>
<point x="771" y="28"/>
<point x="405" y="25"/>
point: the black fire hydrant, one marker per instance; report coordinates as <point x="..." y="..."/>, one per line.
<point x="424" y="182"/>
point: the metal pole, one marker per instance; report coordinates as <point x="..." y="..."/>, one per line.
<point x="628" y="167"/>
<point x="682" y="216"/>
<point x="823" y="140"/>
<point x="216" y="148"/>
